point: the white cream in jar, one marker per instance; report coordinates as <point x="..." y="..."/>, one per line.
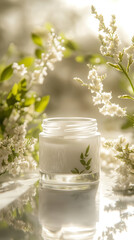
<point x="69" y="150"/>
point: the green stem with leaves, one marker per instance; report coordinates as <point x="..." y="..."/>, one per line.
<point x="126" y="74"/>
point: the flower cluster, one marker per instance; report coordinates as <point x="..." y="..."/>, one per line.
<point x="123" y="153"/>
<point x="101" y="97"/>
<point x="54" y="54"/>
<point x="21" y="106"/>
<point x="16" y="151"/>
<point x="108" y="36"/>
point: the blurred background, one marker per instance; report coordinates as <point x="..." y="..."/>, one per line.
<point x="73" y="18"/>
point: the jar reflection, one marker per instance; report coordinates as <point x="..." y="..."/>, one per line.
<point x="68" y="215"/>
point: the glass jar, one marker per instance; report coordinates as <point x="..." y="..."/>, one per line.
<point x="69" y="152"/>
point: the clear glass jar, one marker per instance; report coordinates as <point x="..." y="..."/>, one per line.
<point x="69" y="152"/>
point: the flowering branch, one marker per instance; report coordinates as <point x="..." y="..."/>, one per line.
<point x="110" y="43"/>
<point x="101" y="97"/>
<point x="123" y="154"/>
<point x="20" y="106"/>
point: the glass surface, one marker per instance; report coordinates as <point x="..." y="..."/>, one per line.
<point x="30" y="211"/>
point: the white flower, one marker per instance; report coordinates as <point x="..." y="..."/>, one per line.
<point x="19" y="70"/>
<point x="50" y="65"/>
<point x="37" y="76"/>
<point x="112" y="110"/>
<point x="129" y="50"/>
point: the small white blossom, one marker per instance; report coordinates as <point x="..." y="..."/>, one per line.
<point x="112" y="110"/>
<point x="129" y="50"/>
<point x="19" y="70"/>
<point x="37" y="76"/>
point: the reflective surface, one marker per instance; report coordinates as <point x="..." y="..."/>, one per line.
<point x="33" y="212"/>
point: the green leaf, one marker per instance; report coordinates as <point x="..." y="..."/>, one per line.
<point x="5" y="114"/>
<point x="80" y="59"/>
<point x="116" y="66"/>
<point x="83" y="162"/>
<point x="37" y="39"/>
<point x="82" y="171"/>
<point x="6" y="73"/>
<point x="27" y="61"/>
<point x="87" y="150"/>
<point x="41" y="104"/>
<point x="69" y="44"/>
<point x="38" y="53"/>
<point x="129" y="122"/>
<point x="22" y="86"/>
<point x="34" y="131"/>
<point x="2" y="66"/>
<point x="94" y="59"/>
<point x="82" y="156"/>
<point x="75" y="171"/>
<point x="13" y="95"/>
<point x="121" y="56"/>
<point x="13" y="91"/>
<point x="29" y="101"/>
<point x="88" y="167"/>
<point x="67" y="53"/>
<point x="89" y="161"/>
<point x="126" y="97"/>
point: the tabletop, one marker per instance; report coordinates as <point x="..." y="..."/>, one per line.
<point x="30" y="211"/>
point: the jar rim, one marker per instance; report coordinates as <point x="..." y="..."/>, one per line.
<point x="69" y="119"/>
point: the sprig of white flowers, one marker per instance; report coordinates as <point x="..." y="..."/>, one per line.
<point x="16" y="149"/>
<point x="54" y="54"/>
<point x="110" y="46"/>
<point x="122" y="152"/>
<point x="101" y="98"/>
<point x="118" y="153"/>
<point x="108" y="36"/>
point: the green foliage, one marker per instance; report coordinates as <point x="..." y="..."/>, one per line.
<point x="2" y="66"/>
<point x="75" y="171"/>
<point x="17" y="92"/>
<point x="29" y="101"/>
<point x="37" y="39"/>
<point x="129" y="122"/>
<point x="94" y="59"/>
<point x="34" y="132"/>
<point x="85" y="163"/>
<point x="27" y="61"/>
<point x="6" y="73"/>
<point x="87" y="150"/>
<point x="116" y="66"/>
<point x="41" y="104"/>
<point x="38" y="53"/>
<point x="12" y="96"/>
<point x="70" y="46"/>
<point x="126" y="97"/>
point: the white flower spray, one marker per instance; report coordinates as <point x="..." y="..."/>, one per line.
<point x="16" y="149"/>
<point x="118" y="153"/>
<point x="100" y="97"/>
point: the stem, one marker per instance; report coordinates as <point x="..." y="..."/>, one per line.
<point x="126" y="74"/>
